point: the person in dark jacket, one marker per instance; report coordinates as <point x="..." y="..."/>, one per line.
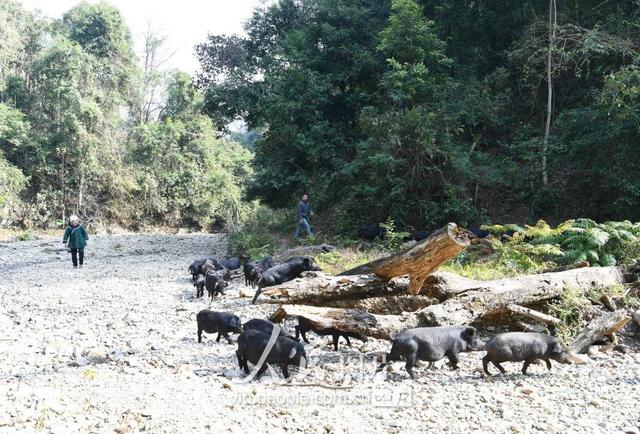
<point x="77" y="237"/>
<point x="304" y="212"/>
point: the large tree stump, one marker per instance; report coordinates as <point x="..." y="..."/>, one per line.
<point x="420" y="260"/>
<point x="349" y="320"/>
<point x="603" y="326"/>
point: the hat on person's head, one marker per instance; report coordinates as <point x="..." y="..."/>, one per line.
<point x="73" y="218"/>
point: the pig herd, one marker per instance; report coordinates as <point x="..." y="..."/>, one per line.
<point x="260" y="345"/>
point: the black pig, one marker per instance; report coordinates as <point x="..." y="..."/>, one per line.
<point x="285" y="272"/>
<point x="215" y="284"/>
<point x="304" y="326"/>
<point x="221" y="322"/>
<point x="285" y="352"/>
<point x="521" y="346"/>
<point x="432" y="344"/>
<point x="199" y="284"/>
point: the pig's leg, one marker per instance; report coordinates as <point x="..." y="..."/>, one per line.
<point x="261" y="370"/>
<point x="497" y="365"/>
<point x="304" y="337"/>
<point x="485" y="364"/>
<point x="199" y="334"/>
<point x="285" y="370"/>
<point x="297" y="329"/>
<point x="548" y="364"/>
<point x="453" y="360"/>
<point x="226" y="336"/>
<point x="335" y="337"/>
<point x="411" y="361"/>
<point x="218" y="338"/>
<point x="525" y="366"/>
<point x="348" y="341"/>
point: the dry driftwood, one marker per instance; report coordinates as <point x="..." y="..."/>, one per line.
<point x="533" y="314"/>
<point x="319" y="289"/>
<point x="605" y="325"/>
<point x="350" y="320"/>
<point x="420" y="260"/>
<point x="493" y="297"/>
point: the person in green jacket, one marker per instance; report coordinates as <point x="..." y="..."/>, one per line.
<point x="77" y="237"/>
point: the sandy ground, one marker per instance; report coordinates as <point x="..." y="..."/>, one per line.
<point x="112" y="348"/>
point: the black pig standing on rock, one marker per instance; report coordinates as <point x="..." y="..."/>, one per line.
<point x="432" y="344"/>
<point x="304" y="326"/>
<point x="285" y="272"/>
<point x="285" y="352"/>
<point x="221" y="322"/>
<point x="523" y="347"/>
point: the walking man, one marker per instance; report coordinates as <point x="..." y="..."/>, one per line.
<point x="304" y="211"/>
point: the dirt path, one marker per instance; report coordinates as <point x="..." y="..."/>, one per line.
<point x="112" y="348"/>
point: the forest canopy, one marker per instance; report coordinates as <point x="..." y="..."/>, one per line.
<point x="418" y="111"/>
<point x="435" y="111"/>
<point x="85" y="129"/>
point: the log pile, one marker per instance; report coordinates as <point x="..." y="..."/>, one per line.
<point x="404" y="290"/>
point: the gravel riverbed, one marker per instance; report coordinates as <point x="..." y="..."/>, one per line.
<point x="112" y="348"/>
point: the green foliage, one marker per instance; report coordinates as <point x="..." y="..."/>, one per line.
<point x="260" y="233"/>
<point x="393" y="238"/>
<point x="571" y="308"/>
<point x="339" y="260"/>
<point x="74" y="138"/>
<point x="428" y="112"/>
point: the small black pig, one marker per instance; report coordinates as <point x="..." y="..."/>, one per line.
<point x="522" y="346"/>
<point x="432" y="344"/>
<point x="289" y="270"/>
<point x="199" y="284"/>
<point x="194" y="268"/>
<point x="304" y="326"/>
<point x="285" y="352"/>
<point x="215" y="284"/>
<point x="251" y="274"/>
<point x="221" y="322"/>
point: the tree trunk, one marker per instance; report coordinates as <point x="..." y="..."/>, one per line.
<point x="350" y="320"/>
<point x="602" y="326"/>
<point x="494" y="297"/>
<point x="547" y="127"/>
<point x="420" y="260"/>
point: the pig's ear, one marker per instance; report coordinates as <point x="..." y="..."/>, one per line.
<point x="468" y="333"/>
<point x="306" y="260"/>
<point x="292" y="353"/>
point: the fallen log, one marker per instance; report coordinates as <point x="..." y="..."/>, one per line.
<point x="349" y="320"/>
<point x="319" y="289"/>
<point x="533" y="314"/>
<point x="605" y="325"/>
<point x="420" y="260"/>
<point x="494" y="297"/>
